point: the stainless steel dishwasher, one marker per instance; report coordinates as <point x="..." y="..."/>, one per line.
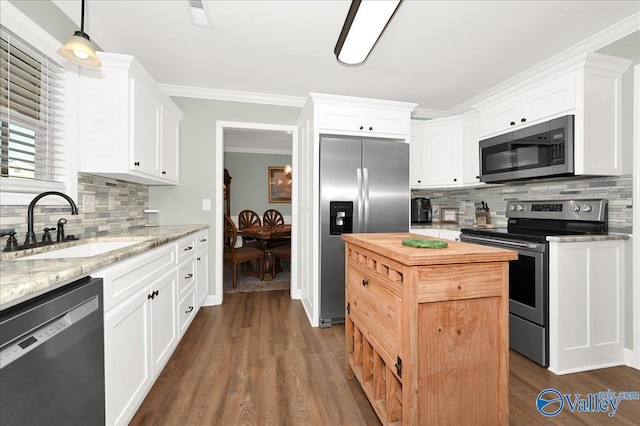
<point x="52" y="358"/>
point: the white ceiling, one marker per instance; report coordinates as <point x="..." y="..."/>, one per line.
<point x="439" y="54"/>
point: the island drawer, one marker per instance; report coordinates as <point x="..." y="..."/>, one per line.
<point x="377" y="311"/>
<point x="461" y="281"/>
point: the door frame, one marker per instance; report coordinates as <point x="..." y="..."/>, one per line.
<point x="218" y="211"/>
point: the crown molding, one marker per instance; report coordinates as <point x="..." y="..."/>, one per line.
<point x="591" y="44"/>
<point x="426" y="114"/>
<point x="233" y="96"/>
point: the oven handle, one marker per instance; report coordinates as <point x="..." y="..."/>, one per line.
<point x="497" y="242"/>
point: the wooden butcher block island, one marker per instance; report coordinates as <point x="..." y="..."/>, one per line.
<point x="427" y="329"/>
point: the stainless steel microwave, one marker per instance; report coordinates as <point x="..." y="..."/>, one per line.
<point x="541" y="150"/>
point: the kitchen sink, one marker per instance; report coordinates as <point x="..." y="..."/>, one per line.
<point x="83" y="250"/>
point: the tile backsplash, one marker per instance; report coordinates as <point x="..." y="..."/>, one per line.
<point x="128" y="200"/>
<point x="617" y="189"/>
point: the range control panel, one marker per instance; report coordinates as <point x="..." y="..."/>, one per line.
<point x="587" y="210"/>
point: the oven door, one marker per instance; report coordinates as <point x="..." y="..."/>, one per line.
<point x="528" y="282"/>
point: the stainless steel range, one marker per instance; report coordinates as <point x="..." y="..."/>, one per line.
<point x="529" y="224"/>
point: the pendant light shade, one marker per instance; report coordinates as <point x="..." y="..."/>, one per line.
<point x="364" y="25"/>
<point x="79" y="48"/>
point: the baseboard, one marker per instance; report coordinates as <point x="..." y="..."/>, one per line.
<point x="212" y="300"/>
<point x="629" y="359"/>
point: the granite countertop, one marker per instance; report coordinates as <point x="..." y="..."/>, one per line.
<point x="390" y="245"/>
<point x="22" y="279"/>
<point x="455" y="227"/>
<point x="586" y="238"/>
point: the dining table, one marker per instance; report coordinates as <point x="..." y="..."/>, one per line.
<point x="267" y="234"/>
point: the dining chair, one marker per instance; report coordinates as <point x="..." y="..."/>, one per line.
<point x="235" y="256"/>
<point x="272" y="218"/>
<point x="279" y="252"/>
<point x="248" y="219"/>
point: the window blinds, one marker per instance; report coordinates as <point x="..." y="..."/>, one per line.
<point x="30" y="94"/>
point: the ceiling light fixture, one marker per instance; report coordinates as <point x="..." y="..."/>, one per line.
<point x="79" y="48"/>
<point x="363" y="27"/>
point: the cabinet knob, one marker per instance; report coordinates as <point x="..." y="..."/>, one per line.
<point x="477" y="177"/>
<point x="137" y="163"/>
<point x="365" y="282"/>
<point x="370" y="128"/>
<point x="361" y="127"/>
<point x="151" y="296"/>
<point x="522" y="120"/>
<point x="164" y="173"/>
<point x="455" y="180"/>
<point x="419" y="181"/>
<point x="157" y="292"/>
<point x="513" y="123"/>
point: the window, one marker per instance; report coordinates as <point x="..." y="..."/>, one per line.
<point x="29" y="84"/>
<point x="37" y="144"/>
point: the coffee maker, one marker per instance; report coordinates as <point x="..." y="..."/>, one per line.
<point x="420" y="210"/>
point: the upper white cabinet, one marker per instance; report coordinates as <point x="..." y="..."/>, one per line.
<point x="128" y="127"/>
<point x="444" y="152"/>
<point x="360" y="116"/>
<point x="588" y="87"/>
<point x="531" y="106"/>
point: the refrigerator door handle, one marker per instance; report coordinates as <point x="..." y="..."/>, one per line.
<point x="360" y="203"/>
<point x="365" y="196"/>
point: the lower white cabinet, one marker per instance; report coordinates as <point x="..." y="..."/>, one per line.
<point x="586" y="311"/>
<point x="202" y="267"/>
<point x="150" y="301"/>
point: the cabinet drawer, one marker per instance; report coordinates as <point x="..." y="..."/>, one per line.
<point x="462" y="281"/>
<point x="187" y="310"/>
<point x="202" y="239"/>
<point x="186" y="276"/>
<point x="377" y="311"/>
<point x="186" y="247"/>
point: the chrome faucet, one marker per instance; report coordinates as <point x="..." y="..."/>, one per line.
<point x="31" y="236"/>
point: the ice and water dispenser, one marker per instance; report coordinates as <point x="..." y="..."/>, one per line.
<point x="340" y="217"/>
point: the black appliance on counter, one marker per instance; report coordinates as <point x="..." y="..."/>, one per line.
<point x="420" y="211"/>
<point x="529" y="224"/>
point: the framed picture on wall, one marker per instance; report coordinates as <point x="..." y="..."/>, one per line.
<point x="279" y="185"/>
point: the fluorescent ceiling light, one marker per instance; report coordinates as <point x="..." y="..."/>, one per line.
<point x="364" y="25"/>
<point x="79" y="48"/>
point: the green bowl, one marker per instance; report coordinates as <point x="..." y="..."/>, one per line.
<point x="422" y="243"/>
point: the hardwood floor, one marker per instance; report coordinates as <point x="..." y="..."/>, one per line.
<point x="255" y="360"/>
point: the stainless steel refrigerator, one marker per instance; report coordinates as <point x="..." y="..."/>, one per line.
<point x="364" y="187"/>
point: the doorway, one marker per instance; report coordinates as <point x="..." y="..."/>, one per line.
<point x="256" y="144"/>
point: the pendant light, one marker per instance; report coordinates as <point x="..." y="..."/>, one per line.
<point x="364" y="25"/>
<point x="79" y="48"/>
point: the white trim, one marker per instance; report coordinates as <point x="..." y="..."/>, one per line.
<point x="233" y="96"/>
<point x="424" y="113"/>
<point x="218" y="211"/>
<point x="259" y="150"/>
<point x="591" y="44"/>
<point x="21" y="193"/>
<point x="636" y="219"/>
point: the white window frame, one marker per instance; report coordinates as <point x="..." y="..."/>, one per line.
<point x="17" y="192"/>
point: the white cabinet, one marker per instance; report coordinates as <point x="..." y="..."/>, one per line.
<point x="531" y="106"/>
<point x="359" y="116"/>
<point x="586" y="305"/>
<point x="202" y="267"/>
<point x="140" y="335"/>
<point x="128" y="126"/>
<point x="470" y="151"/>
<point x="435" y="153"/>
<point x="588" y="87"/>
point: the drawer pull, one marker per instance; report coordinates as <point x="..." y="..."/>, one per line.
<point x="151" y="296"/>
<point x="188" y="276"/>
<point x="204" y="240"/>
<point x="365" y="282"/>
<point x="189" y="310"/>
<point x="188" y="248"/>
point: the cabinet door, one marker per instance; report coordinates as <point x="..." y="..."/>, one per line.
<point x="471" y="151"/>
<point x="163" y="305"/>
<point x="202" y="275"/>
<point x="417" y="167"/>
<point x="127" y="358"/>
<point x="145" y="138"/>
<point x="499" y="117"/>
<point x="357" y="119"/>
<point x="547" y="101"/>
<point x="442" y="156"/>
<point x="170" y="147"/>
